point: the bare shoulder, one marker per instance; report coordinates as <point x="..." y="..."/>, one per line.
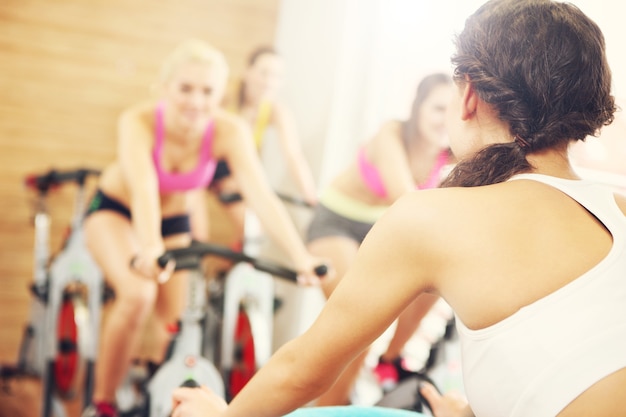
<point x="454" y="202"/>
<point x="229" y="123"/>
<point x="433" y="227"/>
<point x="427" y="228"/>
<point x="136" y="126"/>
<point x="389" y="129"/>
<point x="435" y="216"/>
<point x="388" y="135"/>
<point x="459" y="212"/>
<point x="142" y="113"/>
<point x="231" y="130"/>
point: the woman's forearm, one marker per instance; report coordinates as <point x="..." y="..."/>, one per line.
<point x="304" y="179"/>
<point x="468" y="412"/>
<point x="199" y="215"/>
<point x="147" y="221"/>
<point x="279" y="226"/>
<point x="285" y="383"/>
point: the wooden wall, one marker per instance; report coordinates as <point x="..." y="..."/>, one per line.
<point x="67" y="69"/>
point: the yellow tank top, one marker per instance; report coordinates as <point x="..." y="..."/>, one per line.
<point x="261" y="123"/>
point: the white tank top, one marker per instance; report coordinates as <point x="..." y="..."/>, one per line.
<point x="535" y="362"/>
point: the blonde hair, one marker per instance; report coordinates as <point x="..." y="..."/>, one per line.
<point x="193" y="51"/>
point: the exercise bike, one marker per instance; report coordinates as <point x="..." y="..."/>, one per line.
<point x="185" y="361"/>
<point x="62" y="330"/>
<point x="249" y="303"/>
<point x="30" y="360"/>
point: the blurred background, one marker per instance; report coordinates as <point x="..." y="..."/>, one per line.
<point x="69" y="67"/>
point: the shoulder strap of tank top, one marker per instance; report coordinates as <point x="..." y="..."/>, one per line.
<point x="442" y="160"/>
<point x="159" y="129"/>
<point x="207" y="142"/>
<point x="261" y="122"/>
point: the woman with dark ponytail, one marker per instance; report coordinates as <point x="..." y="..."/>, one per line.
<point x="548" y="84"/>
<point x="531" y="258"/>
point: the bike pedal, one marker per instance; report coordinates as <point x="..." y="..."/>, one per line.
<point x="278" y="304"/>
<point x="67" y="346"/>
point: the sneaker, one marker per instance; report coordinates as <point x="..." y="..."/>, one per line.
<point x="386" y="374"/>
<point x="100" y="409"/>
<point x="389" y="374"/>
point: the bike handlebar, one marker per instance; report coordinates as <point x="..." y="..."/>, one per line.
<point x="190" y="383"/>
<point x="189" y="258"/>
<point x="53" y="177"/>
<point x="229" y="198"/>
<point x="294" y="200"/>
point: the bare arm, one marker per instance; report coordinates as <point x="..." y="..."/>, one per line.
<point x="237" y="148"/>
<point x="292" y="150"/>
<point x="391" y="269"/>
<point x="198" y="212"/>
<point x="134" y="150"/>
<point x="392" y="161"/>
<point x="449" y="405"/>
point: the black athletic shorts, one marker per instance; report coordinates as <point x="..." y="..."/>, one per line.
<point x="169" y="226"/>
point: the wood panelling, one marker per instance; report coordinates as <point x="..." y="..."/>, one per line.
<point x="67" y="69"/>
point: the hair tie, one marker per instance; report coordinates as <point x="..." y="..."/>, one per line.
<point x="521" y="142"/>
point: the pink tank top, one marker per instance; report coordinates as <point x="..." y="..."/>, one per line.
<point x="199" y="177"/>
<point x="375" y="183"/>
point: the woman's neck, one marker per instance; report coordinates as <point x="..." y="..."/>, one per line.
<point x="251" y="103"/>
<point x="553" y="162"/>
<point x="182" y="134"/>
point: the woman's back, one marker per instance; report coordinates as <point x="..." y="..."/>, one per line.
<point x="534" y="290"/>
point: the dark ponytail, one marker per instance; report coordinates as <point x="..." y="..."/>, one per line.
<point x="492" y="164"/>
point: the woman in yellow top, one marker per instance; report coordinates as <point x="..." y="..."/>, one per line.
<point x="256" y="103"/>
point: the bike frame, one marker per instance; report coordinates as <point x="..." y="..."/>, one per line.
<point x="30" y="358"/>
<point x="186" y="362"/>
<point x="72" y="266"/>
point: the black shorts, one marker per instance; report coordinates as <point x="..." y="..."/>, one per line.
<point x="327" y="223"/>
<point x="172" y="225"/>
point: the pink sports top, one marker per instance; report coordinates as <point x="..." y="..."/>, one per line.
<point x="199" y="177"/>
<point x="374" y="181"/>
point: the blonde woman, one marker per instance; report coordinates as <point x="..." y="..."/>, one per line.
<point x="167" y="153"/>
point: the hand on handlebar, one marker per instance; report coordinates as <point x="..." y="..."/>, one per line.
<point x="451" y="404"/>
<point x="193" y="402"/>
<point x="313" y="271"/>
<point x="147" y="264"/>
